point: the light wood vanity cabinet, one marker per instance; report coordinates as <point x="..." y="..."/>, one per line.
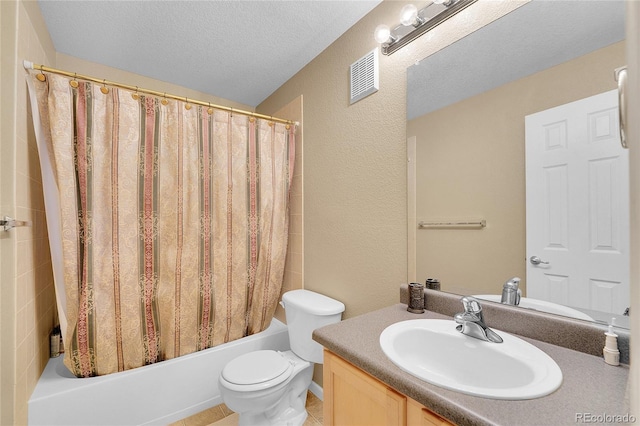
<point x="352" y="397"/>
<point x="419" y="415"/>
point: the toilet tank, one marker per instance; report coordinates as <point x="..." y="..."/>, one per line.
<point x="305" y="311"/>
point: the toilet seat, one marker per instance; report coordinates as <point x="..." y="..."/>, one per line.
<point x="257" y="370"/>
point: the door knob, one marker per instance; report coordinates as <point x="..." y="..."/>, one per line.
<point x="535" y="260"/>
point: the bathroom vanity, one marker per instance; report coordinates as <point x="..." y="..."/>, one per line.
<point x="362" y="386"/>
<point x="352" y="396"/>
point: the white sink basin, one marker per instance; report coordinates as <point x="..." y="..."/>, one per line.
<point x="540" y="305"/>
<point x="434" y="351"/>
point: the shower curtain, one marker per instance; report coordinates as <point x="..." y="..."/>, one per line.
<point x="173" y="221"/>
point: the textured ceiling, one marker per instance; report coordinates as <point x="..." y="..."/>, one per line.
<point x="239" y="50"/>
<point x="532" y="38"/>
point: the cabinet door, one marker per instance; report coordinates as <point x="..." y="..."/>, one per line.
<point x="419" y="415"/>
<point x="352" y="397"/>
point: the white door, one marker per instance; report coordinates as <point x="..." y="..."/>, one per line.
<point x="577" y="177"/>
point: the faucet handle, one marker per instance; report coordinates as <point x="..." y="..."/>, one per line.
<point x="513" y="283"/>
<point x="510" y="292"/>
<point x="471" y="305"/>
<point x="471" y="321"/>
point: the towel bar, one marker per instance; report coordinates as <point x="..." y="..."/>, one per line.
<point x="476" y="224"/>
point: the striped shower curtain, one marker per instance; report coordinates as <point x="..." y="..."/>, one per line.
<point x="174" y="222"/>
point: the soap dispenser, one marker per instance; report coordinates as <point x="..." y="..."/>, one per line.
<point x="610" y="351"/>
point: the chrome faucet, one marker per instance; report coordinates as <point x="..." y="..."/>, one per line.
<point x="510" y="292"/>
<point x="471" y="321"/>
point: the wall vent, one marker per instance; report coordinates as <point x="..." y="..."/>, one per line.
<point x="364" y="76"/>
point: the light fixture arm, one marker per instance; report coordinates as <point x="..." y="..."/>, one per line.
<point x="419" y="21"/>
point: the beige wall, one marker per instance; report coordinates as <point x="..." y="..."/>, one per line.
<point x="471" y="164"/>
<point x="28" y="311"/>
<point x="355" y="214"/>
<point x="293" y="272"/>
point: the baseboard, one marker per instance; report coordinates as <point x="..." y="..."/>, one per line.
<point x="316" y="389"/>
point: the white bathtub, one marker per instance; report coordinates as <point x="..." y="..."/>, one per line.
<point x="156" y="394"/>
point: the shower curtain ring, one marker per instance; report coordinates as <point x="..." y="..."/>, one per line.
<point x="187" y="105"/>
<point x="74" y="83"/>
<point x="135" y="95"/>
<point x="104" y="89"/>
<point x="209" y="110"/>
<point x="41" y="76"/>
<point x="164" y="99"/>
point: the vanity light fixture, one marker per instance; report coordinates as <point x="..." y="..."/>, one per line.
<point x="409" y="16"/>
<point x="414" y="23"/>
<point x="383" y="34"/>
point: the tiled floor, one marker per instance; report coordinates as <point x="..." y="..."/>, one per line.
<point x="220" y="415"/>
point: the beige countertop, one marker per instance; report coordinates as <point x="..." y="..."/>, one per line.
<point x="589" y="388"/>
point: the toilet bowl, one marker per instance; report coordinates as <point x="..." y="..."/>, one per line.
<point x="270" y="388"/>
<point x="279" y="394"/>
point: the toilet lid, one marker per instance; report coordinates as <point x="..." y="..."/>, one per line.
<point x="256" y="367"/>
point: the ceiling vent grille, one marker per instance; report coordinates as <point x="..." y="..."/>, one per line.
<point x="364" y="76"/>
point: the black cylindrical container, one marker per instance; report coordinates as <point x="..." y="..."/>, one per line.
<point x="433" y="284"/>
<point x="416" y="298"/>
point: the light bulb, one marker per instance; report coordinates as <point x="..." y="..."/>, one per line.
<point x="382" y="33"/>
<point x="408" y="15"/>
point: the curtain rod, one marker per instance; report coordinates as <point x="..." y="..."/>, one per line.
<point x="31" y="66"/>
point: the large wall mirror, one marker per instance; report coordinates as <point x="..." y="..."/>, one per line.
<point x="494" y="121"/>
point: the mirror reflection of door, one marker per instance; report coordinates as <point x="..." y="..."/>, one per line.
<point x="577" y="180"/>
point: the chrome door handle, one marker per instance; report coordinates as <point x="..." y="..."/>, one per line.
<point x="535" y="260"/>
<point x="621" y="78"/>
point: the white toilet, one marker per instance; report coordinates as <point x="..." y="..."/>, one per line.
<point x="269" y="387"/>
